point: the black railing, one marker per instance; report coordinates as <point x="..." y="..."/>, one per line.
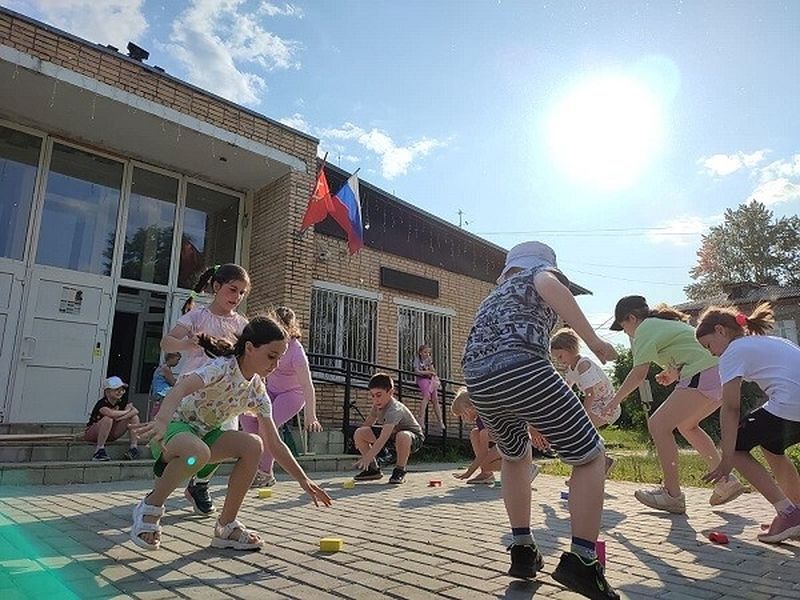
<point x="350" y="373"/>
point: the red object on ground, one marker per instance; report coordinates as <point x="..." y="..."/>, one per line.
<point x="718" y="538"/>
<point x="435" y="483"/>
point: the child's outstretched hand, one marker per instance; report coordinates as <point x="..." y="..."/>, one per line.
<point x="317" y="493"/>
<point x="603" y="350"/>
<point x="538" y="440"/>
<point x="152" y="430"/>
<point x="668" y="376"/>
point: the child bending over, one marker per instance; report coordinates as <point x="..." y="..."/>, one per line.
<point x="188" y="438"/>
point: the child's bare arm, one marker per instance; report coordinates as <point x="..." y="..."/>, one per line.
<point x="168" y="375"/>
<point x="561" y="300"/>
<point x="179" y="339"/>
<point x="272" y="440"/>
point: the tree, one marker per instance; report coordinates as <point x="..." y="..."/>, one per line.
<point x="748" y="247"/>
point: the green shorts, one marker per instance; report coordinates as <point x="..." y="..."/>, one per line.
<point x="173" y="429"/>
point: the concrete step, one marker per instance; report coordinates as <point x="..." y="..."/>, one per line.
<point x="63" y="472"/>
<point x="45" y="450"/>
<point x="41" y="428"/>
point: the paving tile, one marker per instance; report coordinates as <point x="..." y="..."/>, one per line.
<point x="407" y="542"/>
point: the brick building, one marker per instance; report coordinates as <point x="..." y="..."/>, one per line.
<point x="785" y="302"/>
<point x="120" y="183"/>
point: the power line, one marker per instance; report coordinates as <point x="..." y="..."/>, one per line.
<point x="588" y="264"/>
<point x="605" y="276"/>
<point x="598" y="232"/>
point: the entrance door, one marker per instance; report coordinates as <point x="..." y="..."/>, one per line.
<point x="11" y="277"/>
<point x="19" y="169"/>
<point x="67" y="306"/>
<point x="62" y="347"/>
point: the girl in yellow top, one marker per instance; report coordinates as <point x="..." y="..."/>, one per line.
<point x="662" y="336"/>
<point x="188" y="435"/>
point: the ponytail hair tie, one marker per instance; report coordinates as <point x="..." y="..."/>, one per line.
<point x="216" y="268"/>
<point x="193" y="294"/>
<point x="741" y="319"/>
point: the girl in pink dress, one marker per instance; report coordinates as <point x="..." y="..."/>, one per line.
<point x="290" y="388"/>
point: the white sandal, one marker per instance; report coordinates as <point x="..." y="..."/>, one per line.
<point x="222" y="537"/>
<point x="140" y="526"/>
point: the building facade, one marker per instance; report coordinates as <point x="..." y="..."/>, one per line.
<point x="120" y="184"/>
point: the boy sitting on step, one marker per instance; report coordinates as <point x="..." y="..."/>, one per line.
<point x="110" y="419"/>
<point x="393" y="422"/>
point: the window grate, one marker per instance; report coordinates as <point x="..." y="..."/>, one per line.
<point x="343" y="325"/>
<point x="416" y="327"/>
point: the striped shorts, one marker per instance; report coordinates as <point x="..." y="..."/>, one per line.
<point x="532" y="392"/>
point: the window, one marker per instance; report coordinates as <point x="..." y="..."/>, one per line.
<point x="418" y="326"/>
<point x="151" y="221"/>
<point x="343" y="325"/>
<point x="786" y="329"/>
<point x="79" y="221"/>
<point x="210" y="228"/>
<point x="19" y="159"/>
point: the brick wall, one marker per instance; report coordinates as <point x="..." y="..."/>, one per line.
<point x="117" y="70"/>
<point x="457" y="292"/>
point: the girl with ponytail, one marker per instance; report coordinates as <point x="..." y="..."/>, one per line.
<point x="746" y="353"/>
<point x="188" y="439"/>
<point x="229" y="284"/>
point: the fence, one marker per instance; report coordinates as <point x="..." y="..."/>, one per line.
<point x="349" y="374"/>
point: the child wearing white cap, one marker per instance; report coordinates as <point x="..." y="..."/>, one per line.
<point x="110" y="418"/>
<point x="513" y="384"/>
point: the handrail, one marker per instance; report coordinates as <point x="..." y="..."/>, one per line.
<point x="343" y="367"/>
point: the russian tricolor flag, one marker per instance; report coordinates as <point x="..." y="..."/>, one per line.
<point x="347" y="213"/>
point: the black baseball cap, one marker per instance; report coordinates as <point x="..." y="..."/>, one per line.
<point x="626" y="306"/>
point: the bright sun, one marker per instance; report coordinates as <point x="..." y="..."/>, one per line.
<point x="604" y="132"/>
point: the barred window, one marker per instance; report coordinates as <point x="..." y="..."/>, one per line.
<point x="343" y="325"/>
<point x="786" y="329"/>
<point x="418" y="326"/>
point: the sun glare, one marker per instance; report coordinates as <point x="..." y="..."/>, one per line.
<point x="605" y="131"/>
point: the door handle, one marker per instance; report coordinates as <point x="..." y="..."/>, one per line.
<point x="28" y="347"/>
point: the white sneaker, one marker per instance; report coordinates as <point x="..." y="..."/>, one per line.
<point x="726" y="490"/>
<point x="660" y="499"/>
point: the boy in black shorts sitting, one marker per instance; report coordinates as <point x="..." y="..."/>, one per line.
<point x="393" y="422"/>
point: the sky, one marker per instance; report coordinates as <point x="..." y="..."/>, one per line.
<point x="617" y="132"/>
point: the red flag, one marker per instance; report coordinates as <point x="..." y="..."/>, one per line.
<point x="320" y="204"/>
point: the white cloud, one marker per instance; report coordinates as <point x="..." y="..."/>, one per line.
<point x="781" y="168"/>
<point x="725" y="164"/>
<point x="219" y="43"/>
<point x="297" y="121"/>
<point x="395" y="160"/>
<point x="775" y="191"/>
<point x="682" y="231"/>
<point x="114" y="22"/>
<point x="287" y="10"/>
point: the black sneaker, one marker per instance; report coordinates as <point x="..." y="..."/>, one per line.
<point x="526" y="560"/>
<point x="398" y="475"/>
<point x="132" y="454"/>
<point x="197" y="493"/>
<point x="370" y="474"/>
<point x="101" y="455"/>
<point x="586" y="579"/>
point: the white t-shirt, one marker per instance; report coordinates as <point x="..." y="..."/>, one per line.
<point x="771" y="362"/>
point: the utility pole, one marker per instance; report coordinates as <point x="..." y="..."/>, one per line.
<point x="461" y="221"/>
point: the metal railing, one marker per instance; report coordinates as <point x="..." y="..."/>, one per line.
<point x="350" y="374"/>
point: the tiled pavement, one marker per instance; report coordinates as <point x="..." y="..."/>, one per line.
<point x="408" y="541"/>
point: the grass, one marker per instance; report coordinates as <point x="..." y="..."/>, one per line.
<point x="633" y="452"/>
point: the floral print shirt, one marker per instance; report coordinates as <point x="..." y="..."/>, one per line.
<point x="226" y="394"/>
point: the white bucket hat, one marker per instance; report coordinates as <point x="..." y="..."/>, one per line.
<point x="528" y="255"/>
